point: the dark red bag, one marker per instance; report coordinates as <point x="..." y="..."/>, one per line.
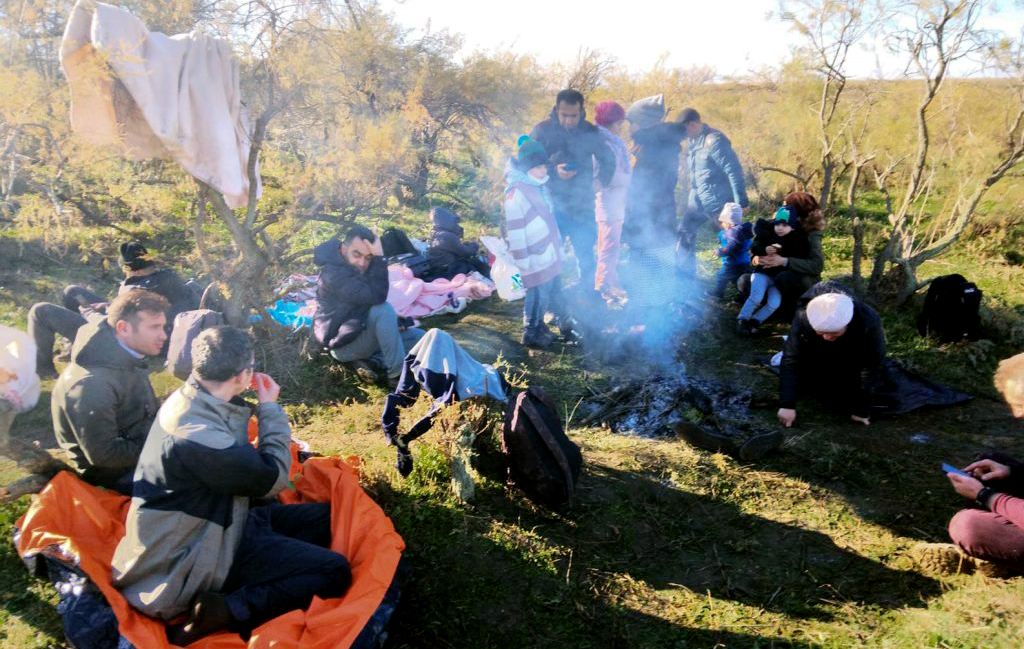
<point x="542" y="461"/>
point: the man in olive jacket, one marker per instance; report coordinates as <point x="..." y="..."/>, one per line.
<point x="193" y="543"/>
<point x="103" y="404"/>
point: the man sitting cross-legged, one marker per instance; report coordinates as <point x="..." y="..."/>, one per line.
<point x="102" y="404"/>
<point x="353" y="319"/>
<point x="192" y="543"/>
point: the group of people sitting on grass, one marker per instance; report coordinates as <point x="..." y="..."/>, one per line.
<point x="201" y="541"/>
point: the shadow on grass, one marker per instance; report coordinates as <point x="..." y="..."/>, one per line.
<point x="475" y="584"/>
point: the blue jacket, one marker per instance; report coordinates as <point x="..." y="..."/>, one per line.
<point x="734" y="248"/>
<point x="716" y="177"/>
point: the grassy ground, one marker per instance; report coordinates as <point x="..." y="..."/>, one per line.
<point x="668" y="546"/>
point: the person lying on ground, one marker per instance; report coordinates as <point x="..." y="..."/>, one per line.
<point x="45" y="319"/>
<point x="781" y="235"/>
<point x="734" y="240"/>
<point x="988" y="537"/>
<point x="193" y="543"/>
<point x="353" y="319"/>
<point x="103" y="404"/>
<point x="534" y="240"/>
<point x="835" y="349"/>
<point x="448" y="254"/>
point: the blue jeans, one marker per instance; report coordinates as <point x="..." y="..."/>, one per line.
<point x="381" y="336"/>
<point x="581" y="228"/>
<point x="728" y="274"/>
<point x="762" y="289"/>
<point x="539" y="301"/>
<point x="282" y="561"/>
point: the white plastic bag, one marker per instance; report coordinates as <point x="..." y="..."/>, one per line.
<point x="19" y="383"/>
<point x="504" y="273"/>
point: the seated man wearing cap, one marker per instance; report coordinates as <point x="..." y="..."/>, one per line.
<point x="835" y="347"/>
<point x="80" y="305"/>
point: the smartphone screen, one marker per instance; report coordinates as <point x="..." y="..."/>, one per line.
<point x="949" y="468"/>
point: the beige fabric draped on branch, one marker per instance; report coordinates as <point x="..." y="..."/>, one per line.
<point x="158" y="96"/>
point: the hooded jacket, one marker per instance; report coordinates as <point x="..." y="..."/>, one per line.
<point x="534" y="240"/>
<point x="446" y="244"/>
<point x="102" y="406"/>
<point x="716" y="177"/>
<point x="166" y="282"/>
<point x="651" y="200"/>
<point x="580" y="145"/>
<point x="190" y="497"/>
<point x="344" y="295"/>
<point x="852" y="362"/>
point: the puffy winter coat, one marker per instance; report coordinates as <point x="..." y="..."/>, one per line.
<point x="344" y="295"/>
<point x="534" y="240"/>
<point x="446" y="244"/>
<point x="716" y="177"/>
<point x="102" y="406"/>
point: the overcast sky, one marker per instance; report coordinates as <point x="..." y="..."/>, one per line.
<point x="733" y="36"/>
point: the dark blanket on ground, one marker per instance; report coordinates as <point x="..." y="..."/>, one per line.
<point x="901" y="391"/>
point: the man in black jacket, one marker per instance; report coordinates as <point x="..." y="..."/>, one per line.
<point x="573" y="144"/>
<point x="81" y="305"/>
<point x="836" y="346"/>
<point x="353" y="319"/>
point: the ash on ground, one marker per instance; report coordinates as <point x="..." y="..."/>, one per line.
<point x="650" y="407"/>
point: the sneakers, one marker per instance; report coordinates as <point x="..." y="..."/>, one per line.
<point x="948" y="559"/>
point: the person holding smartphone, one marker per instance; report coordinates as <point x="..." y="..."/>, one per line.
<point x="988" y="537"/>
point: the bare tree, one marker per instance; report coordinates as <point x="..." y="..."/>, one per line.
<point x="944" y="32"/>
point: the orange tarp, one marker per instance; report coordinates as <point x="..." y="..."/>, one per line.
<point x="73" y="520"/>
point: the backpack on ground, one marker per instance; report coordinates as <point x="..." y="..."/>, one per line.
<point x="394" y="242"/>
<point x="187" y="326"/>
<point x="415" y="261"/>
<point x="950" y="311"/>
<point x="542" y="461"/>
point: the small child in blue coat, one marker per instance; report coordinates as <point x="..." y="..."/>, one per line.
<point x="734" y="247"/>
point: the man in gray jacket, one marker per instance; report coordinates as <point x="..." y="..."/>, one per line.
<point x="192" y="542"/>
<point x="102" y="404"/>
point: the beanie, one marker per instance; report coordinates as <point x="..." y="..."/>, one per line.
<point x="830" y="312"/>
<point x="609" y="112"/>
<point x="530" y="154"/>
<point x="731" y="212"/>
<point x="785" y="214"/>
<point x="647" y="112"/>
<point x="134" y="256"/>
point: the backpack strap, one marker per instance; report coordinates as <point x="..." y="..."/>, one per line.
<point x="528" y="407"/>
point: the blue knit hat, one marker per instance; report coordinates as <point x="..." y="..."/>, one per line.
<point x="530" y="153"/>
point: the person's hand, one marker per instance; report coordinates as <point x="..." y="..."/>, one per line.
<point x="966" y="487"/>
<point x="786" y="416"/>
<point x="988" y="470"/>
<point x="861" y="420"/>
<point x="6" y="375"/>
<point x="564" y="173"/>
<point x="266" y="388"/>
<point x="771" y="261"/>
<point x="377" y="248"/>
<point x="772" y="249"/>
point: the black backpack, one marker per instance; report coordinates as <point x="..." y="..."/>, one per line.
<point x="394" y="242"/>
<point x="542" y="461"/>
<point x="950" y="310"/>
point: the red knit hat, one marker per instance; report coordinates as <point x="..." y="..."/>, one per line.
<point x="609" y="112"/>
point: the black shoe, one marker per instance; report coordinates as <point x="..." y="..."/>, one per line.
<point x="209" y="614"/>
<point x="705" y="438"/>
<point x="743" y="327"/>
<point x="538" y="338"/>
<point x="404" y="461"/>
<point x="759" y="445"/>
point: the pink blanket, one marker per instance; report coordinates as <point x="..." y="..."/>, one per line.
<point x="414" y="298"/>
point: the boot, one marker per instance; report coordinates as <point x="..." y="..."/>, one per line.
<point x="759" y="445"/>
<point x="705" y="438"/>
<point x="538" y="338"/>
